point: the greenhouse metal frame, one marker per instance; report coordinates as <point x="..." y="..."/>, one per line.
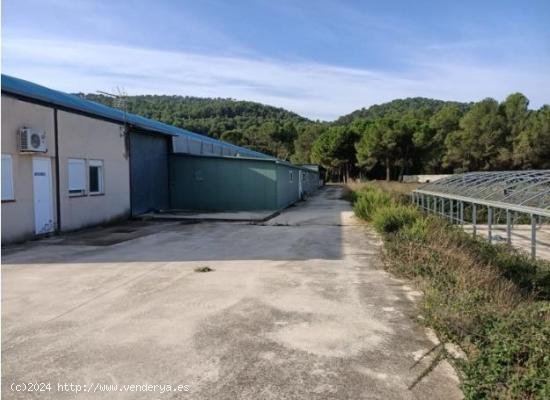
<point x="517" y="194"/>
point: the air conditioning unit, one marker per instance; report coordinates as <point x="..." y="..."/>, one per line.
<point x="32" y="141"/>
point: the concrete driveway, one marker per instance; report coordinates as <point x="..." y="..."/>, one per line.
<point x="296" y="308"/>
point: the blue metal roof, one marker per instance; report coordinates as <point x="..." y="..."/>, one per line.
<point x="31" y="90"/>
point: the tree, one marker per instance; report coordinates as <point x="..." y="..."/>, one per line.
<point x="284" y="139"/>
<point x="516" y="112"/>
<point x="389" y="142"/>
<point x="413" y="139"/>
<point x="335" y="151"/>
<point x="304" y="142"/>
<point x="442" y="123"/>
<point x="532" y="145"/>
<point x="235" y="136"/>
<point x="478" y="144"/>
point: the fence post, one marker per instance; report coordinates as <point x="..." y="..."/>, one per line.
<point x="474" y="219"/>
<point x="489" y="224"/>
<point x="509" y="227"/>
<point x="533" y="236"/>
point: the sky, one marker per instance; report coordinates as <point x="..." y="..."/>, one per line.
<point x="321" y="58"/>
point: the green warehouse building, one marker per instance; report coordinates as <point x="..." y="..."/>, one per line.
<point x="216" y="182"/>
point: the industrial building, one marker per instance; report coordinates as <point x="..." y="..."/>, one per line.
<point x="69" y="163"/>
<point x="237" y="183"/>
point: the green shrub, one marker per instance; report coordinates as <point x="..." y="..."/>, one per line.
<point x="390" y="219"/>
<point x="513" y="361"/>
<point x="369" y="200"/>
<point x="419" y="230"/>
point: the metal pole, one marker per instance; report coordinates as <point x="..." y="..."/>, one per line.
<point x="462" y="213"/>
<point x="435" y="205"/>
<point x="533" y="236"/>
<point x="489" y="222"/>
<point x="474" y="219"/>
<point x="422" y="200"/>
<point x="451" y="210"/>
<point x="509" y="227"/>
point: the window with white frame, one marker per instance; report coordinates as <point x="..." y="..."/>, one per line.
<point x="77" y="176"/>
<point x="7" y="178"/>
<point x="95" y="176"/>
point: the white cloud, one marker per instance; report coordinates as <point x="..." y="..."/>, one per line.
<point x="310" y="89"/>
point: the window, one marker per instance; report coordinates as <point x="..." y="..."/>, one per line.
<point x="7" y="178"/>
<point x="95" y="169"/>
<point x="291" y="176"/>
<point x="77" y="176"/>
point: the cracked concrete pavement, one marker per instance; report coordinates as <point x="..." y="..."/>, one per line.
<point x="298" y="307"/>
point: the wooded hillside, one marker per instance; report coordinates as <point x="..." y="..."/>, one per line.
<point x="404" y="136"/>
<point x="257" y="126"/>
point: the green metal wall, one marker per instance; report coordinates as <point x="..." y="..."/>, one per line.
<point x="223" y="183"/>
<point x="216" y="183"/>
<point x="287" y="185"/>
<point x="310" y="181"/>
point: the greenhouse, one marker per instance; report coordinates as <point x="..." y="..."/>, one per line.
<point x="516" y="203"/>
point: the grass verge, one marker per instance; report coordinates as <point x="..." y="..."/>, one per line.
<point x="493" y="301"/>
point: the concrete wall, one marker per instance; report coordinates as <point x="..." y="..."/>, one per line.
<point x="217" y="183"/>
<point x="18" y="215"/>
<point x="423" y="178"/>
<point x="93" y="139"/>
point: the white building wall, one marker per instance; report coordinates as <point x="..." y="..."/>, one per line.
<point x="79" y="137"/>
<point x="18" y="214"/>
<point x="88" y="138"/>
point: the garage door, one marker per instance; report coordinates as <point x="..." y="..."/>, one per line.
<point x="148" y="172"/>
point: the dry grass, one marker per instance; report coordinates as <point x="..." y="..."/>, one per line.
<point x="391" y="186"/>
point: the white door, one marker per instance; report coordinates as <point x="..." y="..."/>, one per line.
<point x="42" y="192"/>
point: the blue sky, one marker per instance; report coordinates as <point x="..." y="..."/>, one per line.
<point x="319" y="58"/>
